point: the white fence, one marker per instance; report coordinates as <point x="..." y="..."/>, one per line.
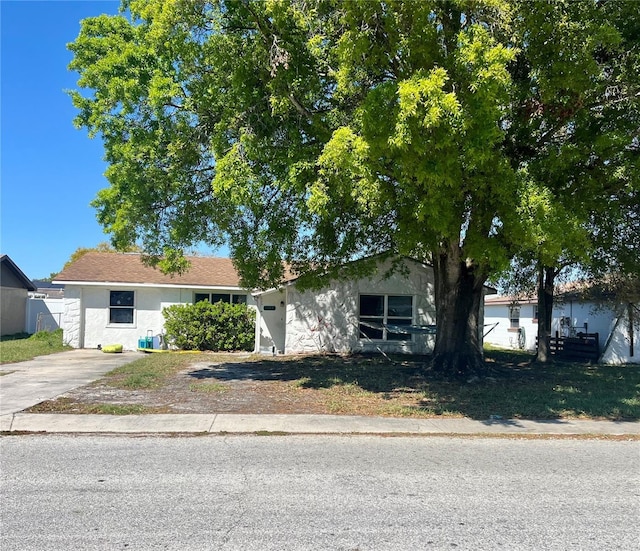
<point x="44" y="314"/>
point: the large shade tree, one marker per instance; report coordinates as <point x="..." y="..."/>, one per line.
<point x="321" y="132"/>
<point x="576" y="136"/>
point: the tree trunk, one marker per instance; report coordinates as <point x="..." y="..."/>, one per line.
<point x="459" y="295"/>
<point x="631" y="329"/>
<point x="546" y="277"/>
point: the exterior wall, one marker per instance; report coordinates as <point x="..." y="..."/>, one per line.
<point x="327" y="320"/>
<point x="270" y="322"/>
<point x="13" y="305"/>
<point x="618" y="349"/>
<point x="597" y="320"/>
<point x="72" y="317"/>
<point x="86" y="317"/>
<point x="498" y="332"/>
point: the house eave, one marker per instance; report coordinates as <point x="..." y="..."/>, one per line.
<point x="150" y="285"/>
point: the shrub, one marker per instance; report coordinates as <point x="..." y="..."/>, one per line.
<point x="52" y="337"/>
<point x="204" y="326"/>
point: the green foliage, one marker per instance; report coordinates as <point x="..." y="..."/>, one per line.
<point x="460" y="133"/>
<point x="216" y="327"/>
<point x="21" y="347"/>
<point x="150" y="371"/>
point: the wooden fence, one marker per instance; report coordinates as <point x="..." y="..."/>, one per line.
<point x="584" y="346"/>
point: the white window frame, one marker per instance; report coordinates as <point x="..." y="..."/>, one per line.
<point x="232" y="297"/>
<point x="514" y="318"/>
<point x="131" y="307"/>
<point x="385" y="318"/>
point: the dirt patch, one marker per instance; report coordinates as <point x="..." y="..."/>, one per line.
<point x="304" y="385"/>
<point x="355" y="385"/>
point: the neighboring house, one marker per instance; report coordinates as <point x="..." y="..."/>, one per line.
<point x="511" y="323"/>
<point x="114" y="298"/>
<point x="48" y="289"/>
<point x="14" y="289"/>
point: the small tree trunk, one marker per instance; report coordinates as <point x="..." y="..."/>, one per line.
<point x="459" y="295"/>
<point x="546" y="277"/>
<point x="631" y="329"/>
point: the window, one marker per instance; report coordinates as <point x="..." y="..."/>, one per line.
<point x="376" y="311"/>
<point x="514" y="317"/>
<point x="121" y="305"/>
<point x="221" y="297"/>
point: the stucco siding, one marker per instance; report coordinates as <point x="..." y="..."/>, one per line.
<point x="581" y="315"/>
<point x="498" y="331"/>
<point x="270" y="322"/>
<point x="619" y="346"/>
<point x="327" y="320"/>
<point x="72" y="317"/>
<point x="86" y="319"/>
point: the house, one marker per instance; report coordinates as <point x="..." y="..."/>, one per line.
<point x="14" y="290"/>
<point x="356" y="315"/>
<point x="513" y="323"/>
<point x="115" y="298"/>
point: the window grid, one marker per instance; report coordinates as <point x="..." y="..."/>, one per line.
<point x="385" y="309"/>
<point x="220" y="297"/>
<point x="514" y="317"/>
<point x="121" y="307"/>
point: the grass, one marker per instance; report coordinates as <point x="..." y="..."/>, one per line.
<point x="149" y="372"/>
<point x="519" y="389"/>
<point x="67" y="405"/>
<point x="22" y="347"/>
<point x="371" y="385"/>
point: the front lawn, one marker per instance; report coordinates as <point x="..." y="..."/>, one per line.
<point x="361" y="385"/>
<point x="21" y="347"/>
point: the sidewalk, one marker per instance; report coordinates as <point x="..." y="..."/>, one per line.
<point x="300" y="424"/>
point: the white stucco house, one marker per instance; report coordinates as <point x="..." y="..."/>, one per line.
<point x="361" y="315"/>
<point x="513" y="323"/>
<point x="114" y="298"/>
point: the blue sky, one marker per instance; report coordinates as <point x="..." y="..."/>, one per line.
<point x="49" y="170"/>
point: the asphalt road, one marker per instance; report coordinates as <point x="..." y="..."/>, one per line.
<point x="317" y="492"/>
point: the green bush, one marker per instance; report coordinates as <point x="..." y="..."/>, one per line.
<point x="216" y="327"/>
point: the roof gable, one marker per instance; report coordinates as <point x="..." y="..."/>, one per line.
<point x="106" y="267"/>
<point x="18" y="275"/>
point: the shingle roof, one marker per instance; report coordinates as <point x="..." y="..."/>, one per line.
<point x="98" y="267"/>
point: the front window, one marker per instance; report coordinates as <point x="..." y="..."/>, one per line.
<point x="220" y="297"/>
<point x="514" y="317"/>
<point x="382" y="316"/>
<point x="121" y="306"/>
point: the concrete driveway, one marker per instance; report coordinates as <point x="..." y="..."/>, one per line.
<point x="46" y="377"/>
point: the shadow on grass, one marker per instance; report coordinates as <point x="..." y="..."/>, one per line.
<point x="519" y="388"/>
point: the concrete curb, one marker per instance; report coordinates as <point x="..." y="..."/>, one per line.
<point x="300" y="424"/>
